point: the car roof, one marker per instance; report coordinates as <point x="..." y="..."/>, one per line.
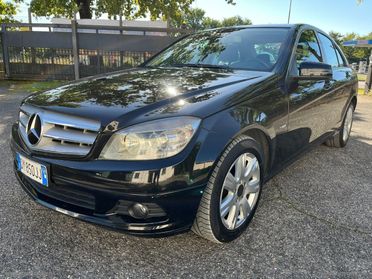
<point x="271" y="25"/>
<point x="296" y="26"/>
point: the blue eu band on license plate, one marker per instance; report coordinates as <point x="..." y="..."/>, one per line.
<point x="32" y="169"/>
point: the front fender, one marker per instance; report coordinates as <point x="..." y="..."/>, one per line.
<point x="222" y="129"/>
<point x="266" y="113"/>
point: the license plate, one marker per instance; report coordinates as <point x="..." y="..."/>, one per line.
<point x="33" y="170"/>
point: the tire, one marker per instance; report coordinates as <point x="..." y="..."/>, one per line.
<point x="226" y="192"/>
<point x="342" y="137"/>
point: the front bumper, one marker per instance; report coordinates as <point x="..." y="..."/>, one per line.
<point x="87" y="190"/>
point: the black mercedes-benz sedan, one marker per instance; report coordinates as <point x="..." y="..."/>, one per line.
<point x="187" y="139"/>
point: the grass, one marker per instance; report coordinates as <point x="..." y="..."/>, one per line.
<point x="29" y="86"/>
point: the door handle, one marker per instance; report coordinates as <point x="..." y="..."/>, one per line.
<point x="328" y="85"/>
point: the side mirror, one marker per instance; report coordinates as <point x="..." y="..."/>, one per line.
<point x="315" y="71"/>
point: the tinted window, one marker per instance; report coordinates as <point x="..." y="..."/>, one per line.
<point x="249" y="49"/>
<point x="329" y="49"/>
<point x="308" y="49"/>
<point x="341" y="61"/>
<point x="269" y="52"/>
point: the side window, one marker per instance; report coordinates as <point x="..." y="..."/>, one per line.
<point x="308" y="49"/>
<point x="330" y="51"/>
<point x="341" y="61"/>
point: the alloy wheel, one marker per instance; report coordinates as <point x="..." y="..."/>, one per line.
<point x="347" y="124"/>
<point x="240" y="191"/>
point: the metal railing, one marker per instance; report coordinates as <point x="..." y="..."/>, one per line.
<point x="71" y="51"/>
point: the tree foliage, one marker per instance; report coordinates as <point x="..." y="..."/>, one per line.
<point x="53" y="8"/>
<point x="354" y="54"/>
<point x="195" y="19"/>
<point x="130" y="9"/>
<point x="178" y="12"/>
<point x="8" y="10"/>
<point x="235" y="20"/>
<point x="209" y="23"/>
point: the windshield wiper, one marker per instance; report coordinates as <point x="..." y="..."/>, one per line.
<point x="212" y="66"/>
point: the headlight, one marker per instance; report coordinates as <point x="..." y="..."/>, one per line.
<point x="151" y="140"/>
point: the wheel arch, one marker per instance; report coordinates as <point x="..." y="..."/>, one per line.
<point x="354" y="101"/>
<point x="221" y="129"/>
<point x="259" y="135"/>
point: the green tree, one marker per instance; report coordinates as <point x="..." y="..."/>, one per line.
<point x="209" y="23"/>
<point x="353" y="54"/>
<point x="193" y="19"/>
<point x="235" y="20"/>
<point x="130" y="9"/>
<point x="8" y="10"/>
<point x="338" y="37"/>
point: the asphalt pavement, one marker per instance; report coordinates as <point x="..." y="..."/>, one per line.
<point x="314" y="220"/>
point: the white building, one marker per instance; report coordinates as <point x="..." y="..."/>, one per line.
<point x="101" y="23"/>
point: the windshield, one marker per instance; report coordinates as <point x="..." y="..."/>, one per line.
<point x="255" y="49"/>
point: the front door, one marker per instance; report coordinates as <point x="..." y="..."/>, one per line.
<point x="308" y="107"/>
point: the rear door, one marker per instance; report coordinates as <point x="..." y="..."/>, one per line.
<point x="342" y="78"/>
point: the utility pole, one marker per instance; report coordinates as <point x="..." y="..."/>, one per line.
<point x="289" y="12"/>
<point x="29" y="18"/>
<point x="368" y="85"/>
<point x="75" y="47"/>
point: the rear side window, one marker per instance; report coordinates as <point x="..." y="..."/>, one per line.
<point x="329" y="51"/>
<point x="308" y="49"/>
<point x="341" y="61"/>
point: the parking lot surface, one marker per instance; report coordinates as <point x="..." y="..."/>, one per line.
<point x="314" y="220"/>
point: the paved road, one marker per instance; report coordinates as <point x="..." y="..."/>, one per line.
<point x="315" y="220"/>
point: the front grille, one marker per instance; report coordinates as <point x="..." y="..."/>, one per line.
<point x="69" y="195"/>
<point x="60" y="133"/>
<point x="59" y="194"/>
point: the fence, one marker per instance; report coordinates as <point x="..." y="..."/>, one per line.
<point x="71" y="51"/>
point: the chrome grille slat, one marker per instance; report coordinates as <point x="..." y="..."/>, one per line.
<point x="61" y="134"/>
<point x="24" y="112"/>
<point x="69" y="121"/>
<point x="62" y="119"/>
<point x="22" y="130"/>
<point x="29" y="110"/>
<point x="23" y="118"/>
<point x="70" y="135"/>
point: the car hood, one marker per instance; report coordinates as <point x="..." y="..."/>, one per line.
<point x="138" y="91"/>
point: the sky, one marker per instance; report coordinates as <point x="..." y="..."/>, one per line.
<point x="344" y="16"/>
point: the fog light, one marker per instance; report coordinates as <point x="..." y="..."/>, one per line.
<point x="138" y="211"/>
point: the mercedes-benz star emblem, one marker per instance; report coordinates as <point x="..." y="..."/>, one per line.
<point x="33" y="129"/>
